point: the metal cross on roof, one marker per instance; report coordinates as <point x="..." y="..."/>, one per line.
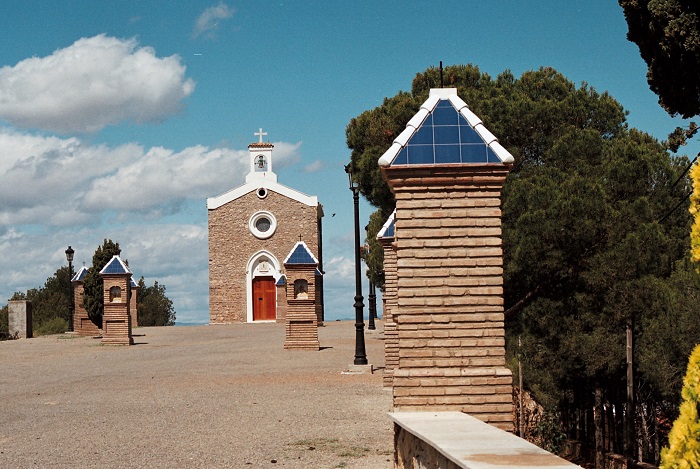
<point x="261" y="133"/>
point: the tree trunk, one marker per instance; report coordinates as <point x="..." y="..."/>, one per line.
<point x="599" y="431"/>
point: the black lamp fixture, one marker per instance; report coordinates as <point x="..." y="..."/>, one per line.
<point x="360" y="354"/>
<point x="372" y="298"/>
<point x="69" y="257"/>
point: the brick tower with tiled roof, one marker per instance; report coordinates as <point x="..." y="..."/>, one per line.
<point x="446" y="171"/>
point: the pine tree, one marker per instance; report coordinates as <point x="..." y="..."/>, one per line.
<point x="684" y="440"/>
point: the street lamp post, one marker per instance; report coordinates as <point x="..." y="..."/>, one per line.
<point x="360" y="354"/>
<point x="372" y="298"/>
<point x="71" y="306"/>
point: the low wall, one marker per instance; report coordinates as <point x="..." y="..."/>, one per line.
<point x="451" y="440"/>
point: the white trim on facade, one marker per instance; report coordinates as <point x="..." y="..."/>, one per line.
<point x="240" y="191"/>
<point x="254" y="268"/>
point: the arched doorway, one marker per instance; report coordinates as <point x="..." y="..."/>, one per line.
<point x="261" y="276"/>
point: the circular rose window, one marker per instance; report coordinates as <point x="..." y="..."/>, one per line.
<point x="262" y="225"/>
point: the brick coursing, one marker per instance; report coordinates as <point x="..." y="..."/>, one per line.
<point x="116" y="318"/>
<point x="301" y="323"/>
<point x="231" y="246"/>
<point x="82" y="325"/>
<point x="391" y="338"/>
<point x="449" y="300"/>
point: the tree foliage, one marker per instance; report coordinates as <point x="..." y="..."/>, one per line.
<point x="587" y="225"/>
<point x="153" y="306"/>
<point x="695" y="213"/>
<point x="93" y="295"/>
<point x="684" y="440"/>
<point x="667" y="33"/>
<point x="50" y="304"/>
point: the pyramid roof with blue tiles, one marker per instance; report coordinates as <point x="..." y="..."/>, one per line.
<point x="301" y="255"/>
<point x="80" y="275"/>
<point x="387" y="230"/>
<point x="115" y="267"/>
<point x="445" y="131"/>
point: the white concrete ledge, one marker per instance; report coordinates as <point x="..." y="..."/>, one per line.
<point x="470" y="443"/>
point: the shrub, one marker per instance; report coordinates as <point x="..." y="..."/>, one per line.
<point x="683" y="449"/>
<point x="52" y="326"/>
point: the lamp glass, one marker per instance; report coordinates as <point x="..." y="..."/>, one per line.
<point x="69" y="254"/>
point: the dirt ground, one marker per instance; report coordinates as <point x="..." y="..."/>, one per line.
<point x="199" y="396"/>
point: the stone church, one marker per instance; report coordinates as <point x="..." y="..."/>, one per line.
<point x="252" y="229"/>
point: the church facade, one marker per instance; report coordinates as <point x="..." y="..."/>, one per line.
<point x="252" y="228"/>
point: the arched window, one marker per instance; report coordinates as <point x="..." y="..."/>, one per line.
<point x="115" y="295"/>
<point x="301" y="289"/>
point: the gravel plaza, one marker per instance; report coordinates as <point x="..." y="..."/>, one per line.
<point x="196" y="396"/>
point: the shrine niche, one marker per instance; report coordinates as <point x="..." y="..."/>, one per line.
<point x="116" y="318"/>
<point x="301" y="322"/>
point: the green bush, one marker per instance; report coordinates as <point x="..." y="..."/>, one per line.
<point x="683" y="449"/>
<point x="52" y="326"/>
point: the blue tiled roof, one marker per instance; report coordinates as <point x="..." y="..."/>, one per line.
<point x="115" y="266"/>
<point x="80" y="275"/>
<point x="133" y="283"/>
<point x="387" y="230"/>
<point x="445" y="131"/>
<point x="445" y="137"/>
<point x="282" y="280"/>
<point x="318" y="273"/>
<point x="300" y="254"/>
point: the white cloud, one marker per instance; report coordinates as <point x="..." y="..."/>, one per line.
<point x="314" y="167"/>
<point x="93" y="83"/>
<point x="53" y="181"/>
<point x="210" y="20"/>
<point x="339" y="270"/>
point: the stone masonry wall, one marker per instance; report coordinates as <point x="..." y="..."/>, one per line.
<point x="450" y="292"/>
<point x="391" y="338"/>
<point x="231" y="245"/>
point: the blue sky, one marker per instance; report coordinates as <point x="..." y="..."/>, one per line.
<point x="119" y="118"/>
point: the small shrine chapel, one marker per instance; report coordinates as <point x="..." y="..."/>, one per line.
<point x="253" y="228"/>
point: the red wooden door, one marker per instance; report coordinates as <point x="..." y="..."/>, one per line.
<point x="264" y="299"/>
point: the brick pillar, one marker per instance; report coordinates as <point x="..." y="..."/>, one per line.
<point x="391" y="338"/>
<point x="116" y="318"/>
<point x="133" y="311"/>
<point x="19" y="319"/>
<point x="82" y="324"/>
<point x="281" y="286"/>
<point x="301" y="330"/>
<point x="449" y="315"/>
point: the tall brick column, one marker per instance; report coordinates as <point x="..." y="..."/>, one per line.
<point x="301" y="318"/>
<point x="446" y="171"/>
<point x="116" y="318"/>
<point x="82" y="324"/>
<point x="391" y="338"/>
<point x="451" y="336"/>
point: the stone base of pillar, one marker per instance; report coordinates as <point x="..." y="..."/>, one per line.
<point x="301" y="332"/>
